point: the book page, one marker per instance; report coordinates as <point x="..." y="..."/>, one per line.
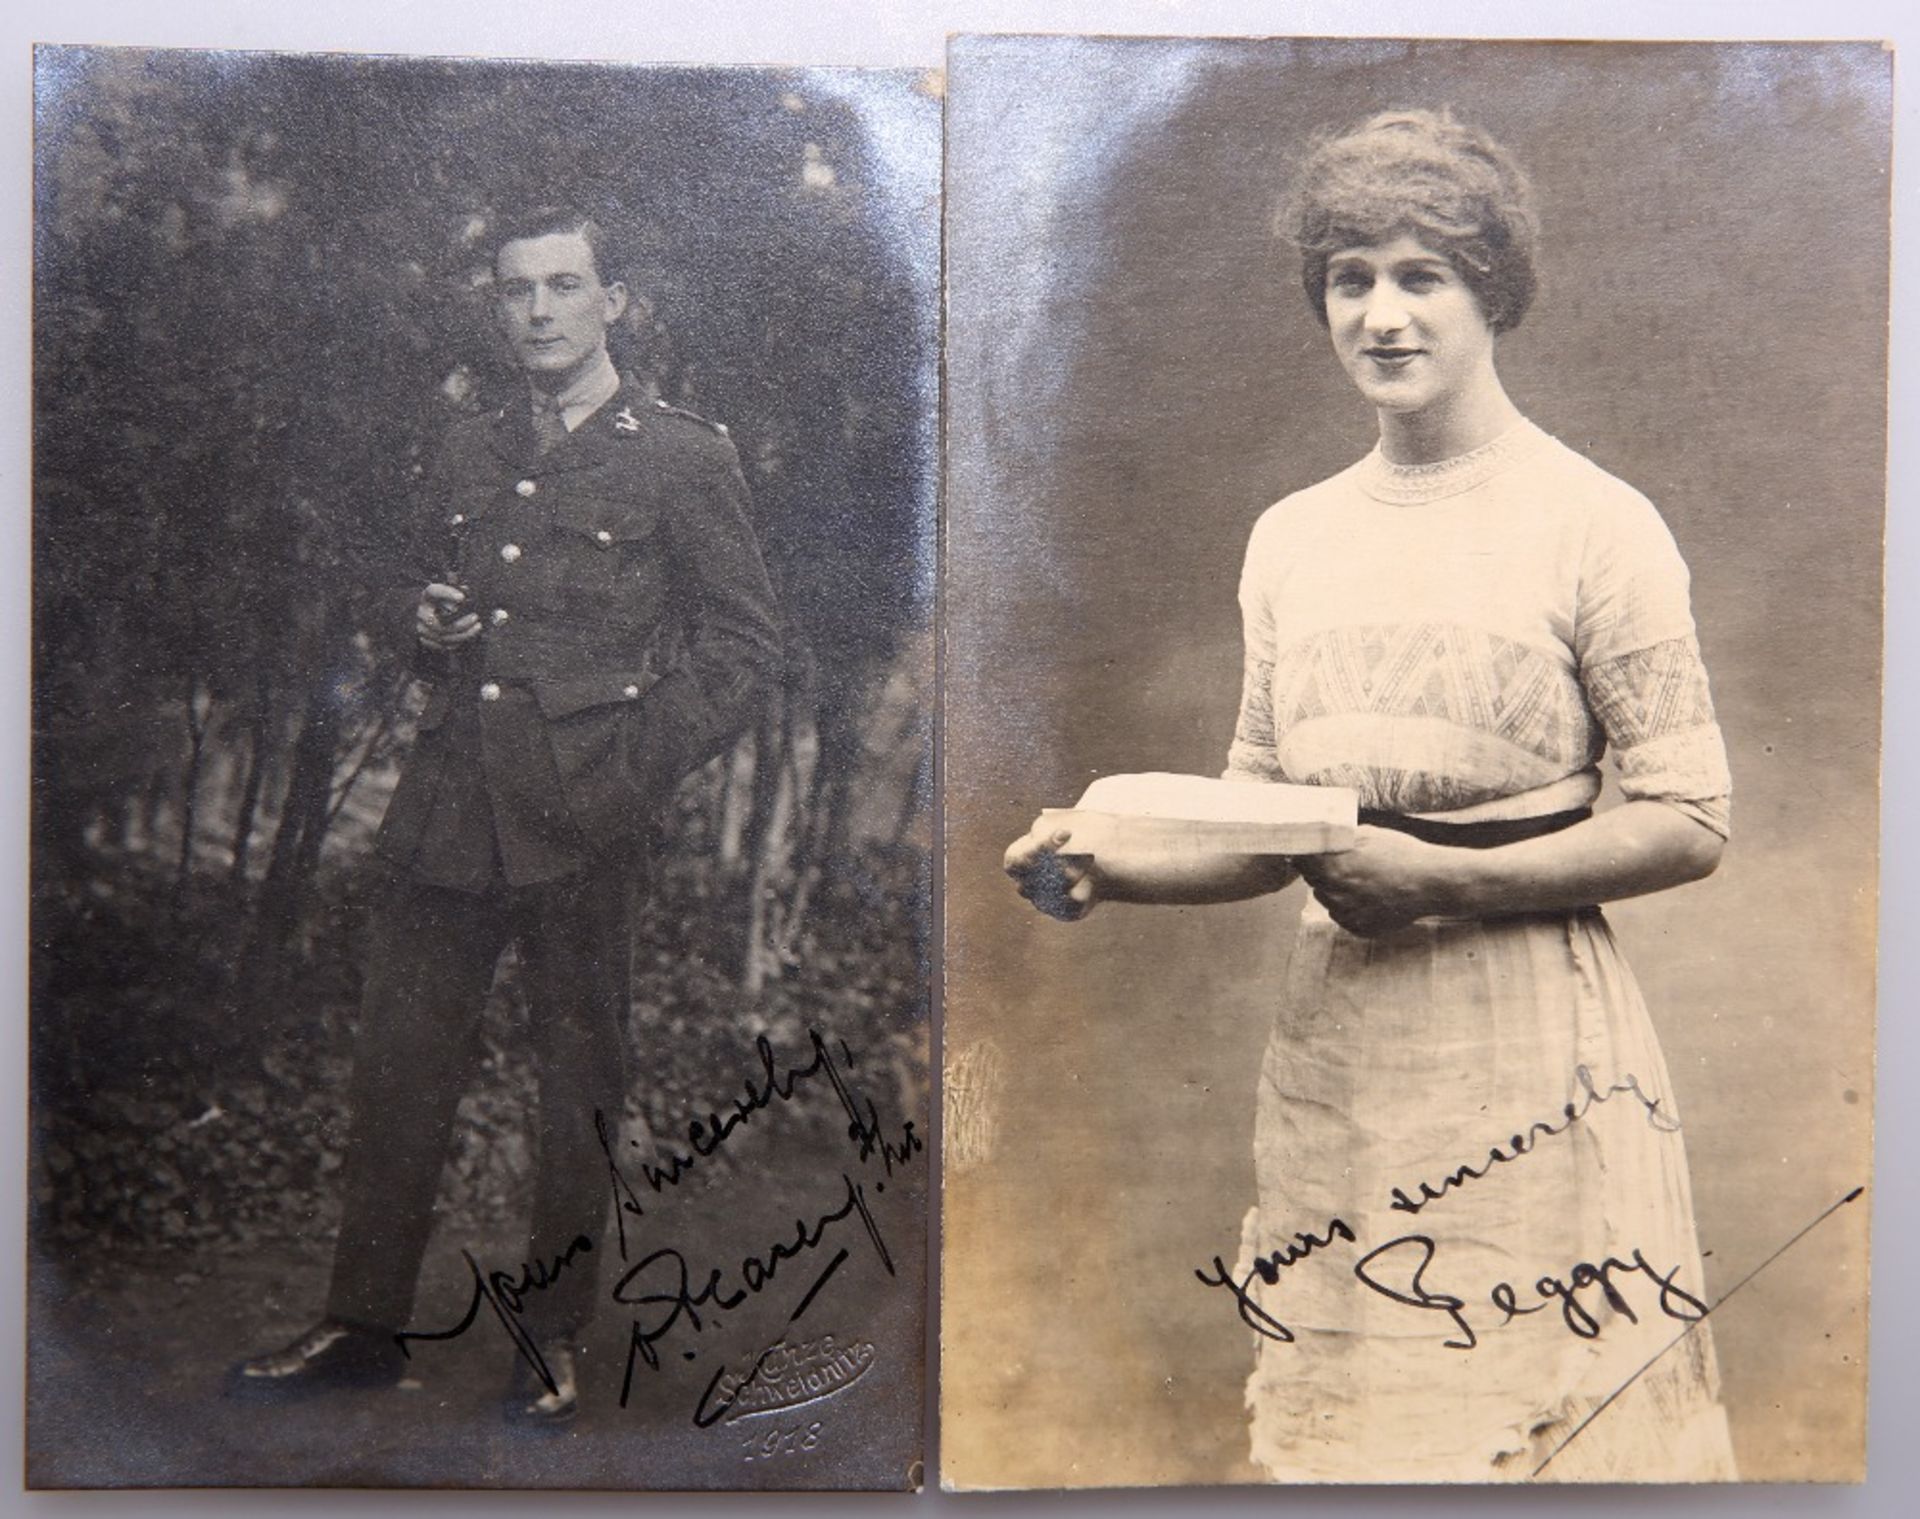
<point x="1191" y="816"/>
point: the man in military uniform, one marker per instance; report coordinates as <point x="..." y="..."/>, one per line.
<point x="588" y="597"/>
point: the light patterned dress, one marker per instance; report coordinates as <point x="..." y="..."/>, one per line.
<point x="1465" y="641"/>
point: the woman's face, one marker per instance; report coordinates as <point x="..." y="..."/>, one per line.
<point x="1408" y="329"/>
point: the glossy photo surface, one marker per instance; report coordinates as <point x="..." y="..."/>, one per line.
<point x="483" y="697"/>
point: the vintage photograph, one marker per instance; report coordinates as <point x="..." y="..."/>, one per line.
<point x="1411" y="740"/>
<point x="483" y="581"/>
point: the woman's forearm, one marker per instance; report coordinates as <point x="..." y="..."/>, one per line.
<point x="1628" y="851"/>
<point x="1161" y="880"/>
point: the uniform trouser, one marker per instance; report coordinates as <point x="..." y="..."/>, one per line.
<point x="418" y="1049"/>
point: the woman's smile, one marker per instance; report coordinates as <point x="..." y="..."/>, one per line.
<point x="1391" y="358"/>
<point x="1408" y="328"/>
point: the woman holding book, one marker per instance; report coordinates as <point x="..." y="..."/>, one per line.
<point x="1473" y="1196"/>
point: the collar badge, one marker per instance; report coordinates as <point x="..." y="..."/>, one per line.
<point x="626" y="421"/>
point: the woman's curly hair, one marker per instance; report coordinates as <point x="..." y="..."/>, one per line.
<point x="1425" y="174"/>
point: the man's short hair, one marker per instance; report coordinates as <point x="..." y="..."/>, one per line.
<point x="549" y="220"/>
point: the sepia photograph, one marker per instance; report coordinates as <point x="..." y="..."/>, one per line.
<point x="1411" y="729"/>
<point x="482" y="773"/>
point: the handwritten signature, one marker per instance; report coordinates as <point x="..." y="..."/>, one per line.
<point x="1266" y="1270"/>
<point x="1517" y="1145"/>
<point x="1403" y="1280"/>
<point x="1398" y="1269"/>
<point x="706" y="1136"/>
<point x="507" y="1294"/>
<point x="1675" y="1301"/>
<point x="662" y="1290"/>
<point x="662" y="1280"/>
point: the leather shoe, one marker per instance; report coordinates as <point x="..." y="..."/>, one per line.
<point x="531" y="1401"/>
<point x="333" y="1354"/>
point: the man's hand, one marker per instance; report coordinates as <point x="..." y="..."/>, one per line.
<point x="1061" y="886"/>
<point x="438" y="603"/>
<point x="1382" y="883"/>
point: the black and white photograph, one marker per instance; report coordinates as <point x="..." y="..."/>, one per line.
<point x="482" y="773"/>
<point x="1411" y="736"/>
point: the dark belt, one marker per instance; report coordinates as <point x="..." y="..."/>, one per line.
<point x="1490" y="834"/>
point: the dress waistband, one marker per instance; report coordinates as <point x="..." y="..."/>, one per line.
<point x="1488" y="834"/>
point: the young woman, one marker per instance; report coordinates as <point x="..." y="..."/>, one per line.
<point x="1474" y="1223"/>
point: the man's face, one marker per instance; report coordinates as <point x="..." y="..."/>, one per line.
<point x="553" y="307"/>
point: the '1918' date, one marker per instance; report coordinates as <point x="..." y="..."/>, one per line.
<point x="781" y="1442"/>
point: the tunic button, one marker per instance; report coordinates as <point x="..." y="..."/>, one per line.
<point x="603" y="537"/>
<point x="509" y="552"/>
<point x="500" y="615"/>
<point x="490" y="691"/>
<point x="629" y="692"/>
<point x="457" y="518"/>
<point x="526" y="487"/>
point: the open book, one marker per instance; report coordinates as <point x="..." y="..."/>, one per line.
<point x="1195" y="814"/>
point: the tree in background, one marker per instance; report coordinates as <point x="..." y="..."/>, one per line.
<point x="261" y="295"/>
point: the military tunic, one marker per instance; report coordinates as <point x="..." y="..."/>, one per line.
<point x="628" y="625"/>
<point x="628" y="630"/>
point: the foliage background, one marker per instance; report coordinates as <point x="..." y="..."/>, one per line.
<point x="260" y="294"/>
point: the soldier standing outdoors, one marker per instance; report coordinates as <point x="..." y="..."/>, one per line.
<point x="588" y="597"/>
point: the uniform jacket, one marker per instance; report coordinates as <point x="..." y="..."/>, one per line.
<point x="629" y="632"/>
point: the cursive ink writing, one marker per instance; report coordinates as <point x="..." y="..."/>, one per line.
<point x="1517" y="1145"/>
<point x="1674" y="1300"/>
<point x="662" y="1287"/>
<point x="762" y="1090"/>
<point x="863" y="1123"/>
<point x="1415" y="1293"/>
<point x="664" y="1291"/>
<point x="506" y="1295"/>
<point x="1267" y="1269"/>
<point x="1693" y="1321"/>
<point x="1397" y="1269"/>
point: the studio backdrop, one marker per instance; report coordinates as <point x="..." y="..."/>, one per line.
<point x="1135" y="376"/>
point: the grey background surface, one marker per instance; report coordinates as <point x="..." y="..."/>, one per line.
<point x="883" y="32"/>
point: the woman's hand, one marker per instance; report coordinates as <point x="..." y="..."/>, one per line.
<point x="1387" y="879"/>
<point x="1382" y="883"/>
<point x="1061" y="886"/>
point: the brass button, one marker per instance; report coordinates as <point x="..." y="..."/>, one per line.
<point x="490" y="691"/>
<point x="500" y="615"/>
<point x="457" y="518"/>
<point x="630" y="691"/>
<point x="509" y="552"/>
<point x="526" y="487"/>
<point x="603" y="537"/>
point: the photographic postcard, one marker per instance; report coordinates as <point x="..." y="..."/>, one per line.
<point x="1497" y="430"/>
<point x="483" y="690"/>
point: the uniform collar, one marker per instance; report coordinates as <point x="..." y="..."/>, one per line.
<point x="599" y="429"/>
<point x="586" y="395"/>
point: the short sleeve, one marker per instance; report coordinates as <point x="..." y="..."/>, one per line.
<point x="1640" y="665"/>
<point x="1254" y="755"/>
